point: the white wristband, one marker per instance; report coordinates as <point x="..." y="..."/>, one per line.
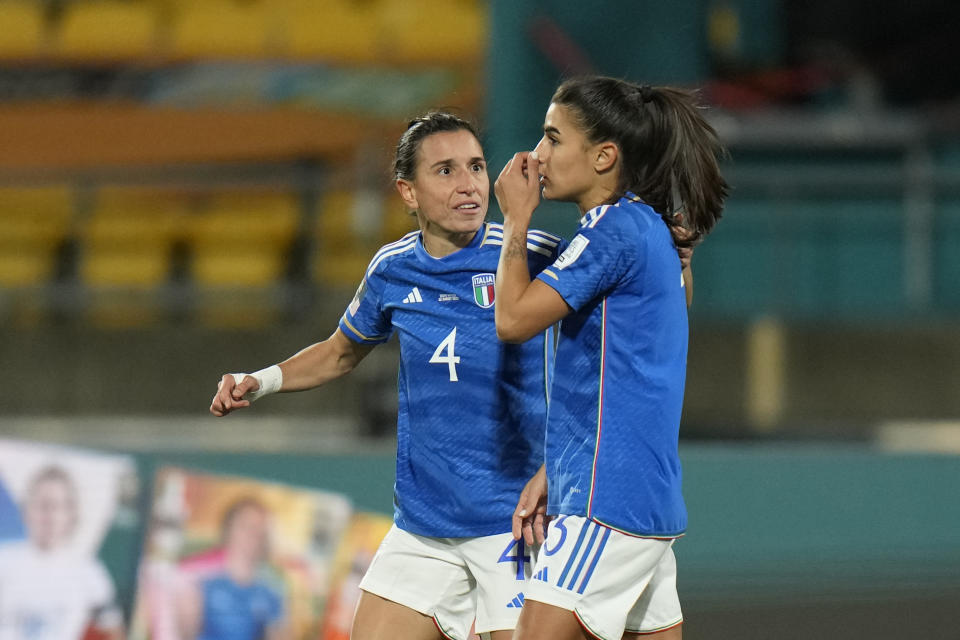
<point x="270" y="380"/>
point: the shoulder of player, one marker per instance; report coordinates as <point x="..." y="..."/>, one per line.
<point x="623" y="219"/>
<point x="539" y="242"/>
<point x="389" y="253"/>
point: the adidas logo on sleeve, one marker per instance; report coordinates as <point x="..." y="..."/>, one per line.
<point x="413" y="296"/>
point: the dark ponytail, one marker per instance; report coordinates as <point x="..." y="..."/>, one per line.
<point x="669" y="153"/>
<point x="405" y="160"/>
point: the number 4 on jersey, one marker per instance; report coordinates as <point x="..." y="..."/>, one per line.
<point x="448" y="358"/>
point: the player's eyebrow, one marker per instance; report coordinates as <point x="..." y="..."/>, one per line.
<point x="446" y="161"/>
<point x="550" y="129"/>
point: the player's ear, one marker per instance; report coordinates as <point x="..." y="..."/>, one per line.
<point x="605" y="156"/>
<point x="408" y="194"/>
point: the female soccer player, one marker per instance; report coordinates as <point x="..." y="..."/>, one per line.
<point x="472" y="409"/>
<point x="630" y="157"/>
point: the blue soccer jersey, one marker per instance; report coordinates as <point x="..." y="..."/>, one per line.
<point x="472" y="410"/>
<point x="233" y="611"/>
<point x="612" y="430"/>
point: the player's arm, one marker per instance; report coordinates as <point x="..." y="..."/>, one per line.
<point x="523" y="308"/>
<point x="312" y="367"/>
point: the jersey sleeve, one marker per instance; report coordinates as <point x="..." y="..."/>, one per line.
<point x="542" y="250"/>
<point x="591" y="265"/>
<point x="364" y="320"/>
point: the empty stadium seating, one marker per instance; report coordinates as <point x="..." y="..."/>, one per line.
<point x="240" y="244"/>
<point x="344" y="245"/>
<point x="219" y="29"/>
<point x="108" y="29"/>
<point x="392" y="32"/>
<point x="23" y="29"/>
<point x="125" y="254"/>
<point x="340" y="31"/>
<point x="35" y="222"/>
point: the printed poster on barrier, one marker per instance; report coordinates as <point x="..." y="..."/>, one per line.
<point x="65" y="516"/>
<point x="232" y="557"/>
<point x="357" y="548"/>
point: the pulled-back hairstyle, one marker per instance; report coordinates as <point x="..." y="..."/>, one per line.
<point x="669" y="153"/>
<point x="405" y="160"/>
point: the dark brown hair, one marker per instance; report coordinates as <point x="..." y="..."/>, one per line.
<point x="405" y="160"/>
<point x="669" y="153"/>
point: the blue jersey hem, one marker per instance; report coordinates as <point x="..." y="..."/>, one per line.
<point x="461" y="532"/>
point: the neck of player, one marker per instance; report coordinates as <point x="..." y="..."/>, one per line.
<point x="442" y="242"/>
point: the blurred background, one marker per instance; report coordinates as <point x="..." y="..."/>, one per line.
<point x="189" y="187"/>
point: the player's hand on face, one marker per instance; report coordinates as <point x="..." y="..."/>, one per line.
<point x="518" y="187"/>
<point x="229" y="394"/>
<point x="530" y="516"/>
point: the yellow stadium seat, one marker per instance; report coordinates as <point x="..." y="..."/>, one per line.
<point x="35" y="214"/>
<point x="136" y="267"/>
<point x="110" y="29"/>
<point x="342" y="31"/>
<point x="22" y="34"/>
<point x="127" y="241"/>
<point x="242" y="239"/>
<point x="218" y="29"/>
<point x="342" y="269"/>
<point x="417" y="32"/>
<point x="342" y="254"/>
<point x="24" y="267"/>
<point x="397" y="219"/>
<point x="238" y="266"/>
<point x="34" y="221"/>
<point x="335" y="218"/>
<point x="257" y="218"/>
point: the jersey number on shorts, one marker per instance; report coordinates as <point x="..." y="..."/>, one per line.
<point x="449" y="358"/>
<point x="519" y="557"/>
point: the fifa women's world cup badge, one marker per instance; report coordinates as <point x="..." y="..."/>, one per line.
<point x="483" y="289"/>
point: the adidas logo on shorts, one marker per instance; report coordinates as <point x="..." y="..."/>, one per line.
<point x="516" y="603"/>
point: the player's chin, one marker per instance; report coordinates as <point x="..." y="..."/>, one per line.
<point x="471" y="222"/>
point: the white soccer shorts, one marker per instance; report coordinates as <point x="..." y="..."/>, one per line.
<point x="612" y="581"/>
<point x="453" y="580"/>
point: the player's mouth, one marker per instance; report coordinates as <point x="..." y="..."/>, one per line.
<point x="468" y="207"/>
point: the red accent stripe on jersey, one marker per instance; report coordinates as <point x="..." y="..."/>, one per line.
<point x="596" y="450"/>
<point x="638" y="535"/>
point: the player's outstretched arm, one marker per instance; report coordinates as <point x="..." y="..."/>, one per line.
<point x="312" y="367"/>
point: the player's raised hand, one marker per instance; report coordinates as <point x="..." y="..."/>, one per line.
<point x="530" y="516"/>
<point x="230" y="393"/>
<point x="518" y="186"/>
<point x="681" y="238"/>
